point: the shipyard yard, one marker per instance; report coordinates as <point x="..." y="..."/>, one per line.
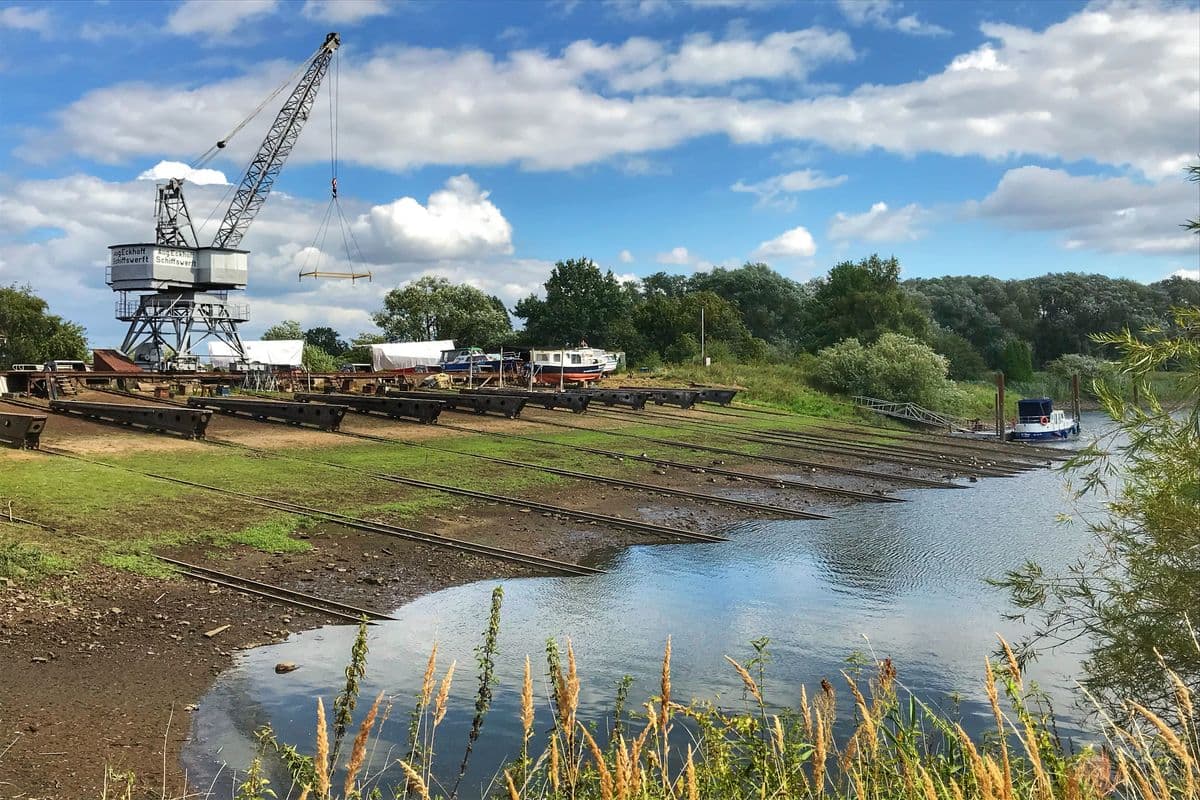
<point x="110" y="661"/>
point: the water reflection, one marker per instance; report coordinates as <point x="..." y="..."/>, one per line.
<point x="898" y="580"/>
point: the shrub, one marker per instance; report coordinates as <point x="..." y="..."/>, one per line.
<point x="893" y="368"/>
<point x="1016" y="360"/>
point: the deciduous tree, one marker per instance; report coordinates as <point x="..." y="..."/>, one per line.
<point x="432" y="308"/>
<point x="30" y="334"/>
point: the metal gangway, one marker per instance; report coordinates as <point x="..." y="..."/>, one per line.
<point x="911" y="412"/>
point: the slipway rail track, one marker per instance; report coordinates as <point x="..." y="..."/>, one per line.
<point x="860" y="451"/>
<point x="934" y="455"/>
<point x="749" y="476"/>
<point x="436" y="540"/>
<point x="278" y="594"/>
<point x="637" y="526"/>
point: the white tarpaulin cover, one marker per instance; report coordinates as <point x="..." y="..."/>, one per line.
<point x="280" y="353"/>
<point x="406" y="355"/>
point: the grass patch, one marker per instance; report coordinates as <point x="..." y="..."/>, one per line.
<point x="22" y="562"/>
<point x="138" y="563"/>
<point x="272" y="536"/>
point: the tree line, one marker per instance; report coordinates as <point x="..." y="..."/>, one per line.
<point x="978" y="323"/>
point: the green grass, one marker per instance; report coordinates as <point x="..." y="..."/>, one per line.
<point x="23" y="562"/>
<point x="272" y="536"/>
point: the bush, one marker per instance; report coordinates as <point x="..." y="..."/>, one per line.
<point x="966" y="364"/>
<point x="893" y="368"/>
<point x="1016" y="360"/>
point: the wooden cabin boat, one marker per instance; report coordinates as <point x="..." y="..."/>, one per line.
<point x="576" y="364"/>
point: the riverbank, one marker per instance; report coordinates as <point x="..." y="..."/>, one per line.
<point x="105" y="649"/>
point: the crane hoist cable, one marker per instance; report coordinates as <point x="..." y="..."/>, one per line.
<point x="333" y="211"/>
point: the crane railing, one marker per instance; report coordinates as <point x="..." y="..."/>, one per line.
<point x="911" y="412"/>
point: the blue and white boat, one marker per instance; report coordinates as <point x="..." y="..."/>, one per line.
<point x="1037" y="419"/>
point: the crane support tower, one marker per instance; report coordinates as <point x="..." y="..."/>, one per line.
<point x="174" y="293"/>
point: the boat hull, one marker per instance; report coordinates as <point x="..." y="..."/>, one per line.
<point x="1025" y="433"/>
<point x="550" y="374"/>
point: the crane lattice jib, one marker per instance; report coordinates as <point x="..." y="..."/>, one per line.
<point x="268" y="161"/>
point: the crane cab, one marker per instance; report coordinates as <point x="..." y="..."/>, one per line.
<point x="154" y="267"/>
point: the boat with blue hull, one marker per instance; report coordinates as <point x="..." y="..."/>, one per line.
<point x="1037" y="420"/>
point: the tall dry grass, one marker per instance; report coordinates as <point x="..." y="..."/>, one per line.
<point x="889" y="746"/>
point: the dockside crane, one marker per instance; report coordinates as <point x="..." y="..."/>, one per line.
<point x="188" y="284"/>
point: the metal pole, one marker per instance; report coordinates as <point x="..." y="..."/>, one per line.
<point x="1000" y="405"/>
<point x="501" y="366"/>
<point x="703" y="360"/>
<point x="562" y="368"/>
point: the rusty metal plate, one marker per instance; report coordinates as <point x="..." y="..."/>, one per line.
<point x="22" y="430"/>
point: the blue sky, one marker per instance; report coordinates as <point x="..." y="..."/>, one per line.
<point x="483" y="141"/>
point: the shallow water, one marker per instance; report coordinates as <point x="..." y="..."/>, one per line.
<point x="901" y="580"/>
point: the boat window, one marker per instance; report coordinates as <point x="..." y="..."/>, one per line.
<point x="558" y="356"/>
<point x="576" y="358"/>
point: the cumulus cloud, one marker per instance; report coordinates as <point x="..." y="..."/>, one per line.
<point x="996" y="102"/>
<point x="885" y="14"/>
<point x="1115" y="215"/>
<point x="879" y="224"/>
<point x="206" y="18"/>
<point x="777" y="190"/>
<point x="458" y="221"/>
<point x="344" y="12"/>
<point x="677" y="255"/>
<point x="21" y="18"/>
<point x="76" y="218"/>
<point x="625" y="257"/>
<point x="794" y="243"/>
<point x="1186" y="274"/>
<point x="703" y="61"/>
<point x="165" y="170"/>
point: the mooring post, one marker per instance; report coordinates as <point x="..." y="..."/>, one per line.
<point x="1000" y="406"/>
<point x="1075" y="409"/>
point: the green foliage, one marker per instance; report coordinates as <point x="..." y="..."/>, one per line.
<point x="581" y="304"/>
<point x="671" y="326"/>
<point x="272" y="536"/>
<point x="359" y="351"/>
<point x="894" y="368"/>
<point x="286" y="331"/>
<point x="771" y="305"/>
<point x="327" y="339"/>
<point x="317" y="360"/>
<point x="1016" y="360"/>
<point x="1135" y="598"/>
<point x="432" y="308"/>
<point x="863" y="301"/>
<point x="29" y="334"/>
<point x="965" y="362"/>
<point x="24" y="562"/>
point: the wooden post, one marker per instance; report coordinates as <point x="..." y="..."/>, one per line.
<point x="1000" y="406"/>
<point x="1075" y="409"/>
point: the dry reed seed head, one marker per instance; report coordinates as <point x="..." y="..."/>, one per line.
<point x="416" y="784"/>
<point x="666" y="686"/>
<point x="527" y="701"/>
<point x="358" y="753"/>
<point x="622" y="770"/>
<point x="747" y="679"/>
<point x="927" y="783"/>
<point x="956" y="792"/>
<point x="321" y="760"/>
<point x="819" y="752"/>
<point x="806" y="714"/>
<point x="777" y="729"/>
<point x="439" y="705"/>
<point x="572" y="687"/>
<point x="1014" y="669"/>
<point x="303" y="794"/>
<point x="513" y="794"/>
<point x="554" y="779"/>
<point x="1165" y="732"/>
<point x="427" y="681"/>
<point x="979" y="771"/>
<point x="606" y="781"/>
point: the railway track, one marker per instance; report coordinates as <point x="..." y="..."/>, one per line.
<point x="436" y="540"/>
<point x="250" y="586"/>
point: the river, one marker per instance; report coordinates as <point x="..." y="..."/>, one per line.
<point x="898" y="580"/>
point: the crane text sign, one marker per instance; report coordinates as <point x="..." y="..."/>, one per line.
<point x="152" y="255"/>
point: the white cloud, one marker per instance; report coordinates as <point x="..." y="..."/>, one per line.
<point x="457" y="233"/>
<point x="885" y="14"/>
<point x="1124" y="92"/>
<point x="457" y="222"/>
<point x="677" y="255"/>
<point x="794" y="243"/>
<point x="344" y="12"/>
<point x="645" y="9"/>
<point x="879" y="224"/>
<point x="1115" y="215"/>
<point x="1187" y="274"/>
<point x="776" y="191"/>
<point x="165" y="170"/>
<point x="703" y="61"/>
<point x="215" y="17"/>
<point x="21" y="18"/>
<point x="625" y="257"/>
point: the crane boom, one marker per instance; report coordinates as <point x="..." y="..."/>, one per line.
<point x="276" y="147"/>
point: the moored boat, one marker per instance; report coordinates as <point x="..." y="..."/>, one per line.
<point x="577" y="364"/>
<point x="1037" y="419"/>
